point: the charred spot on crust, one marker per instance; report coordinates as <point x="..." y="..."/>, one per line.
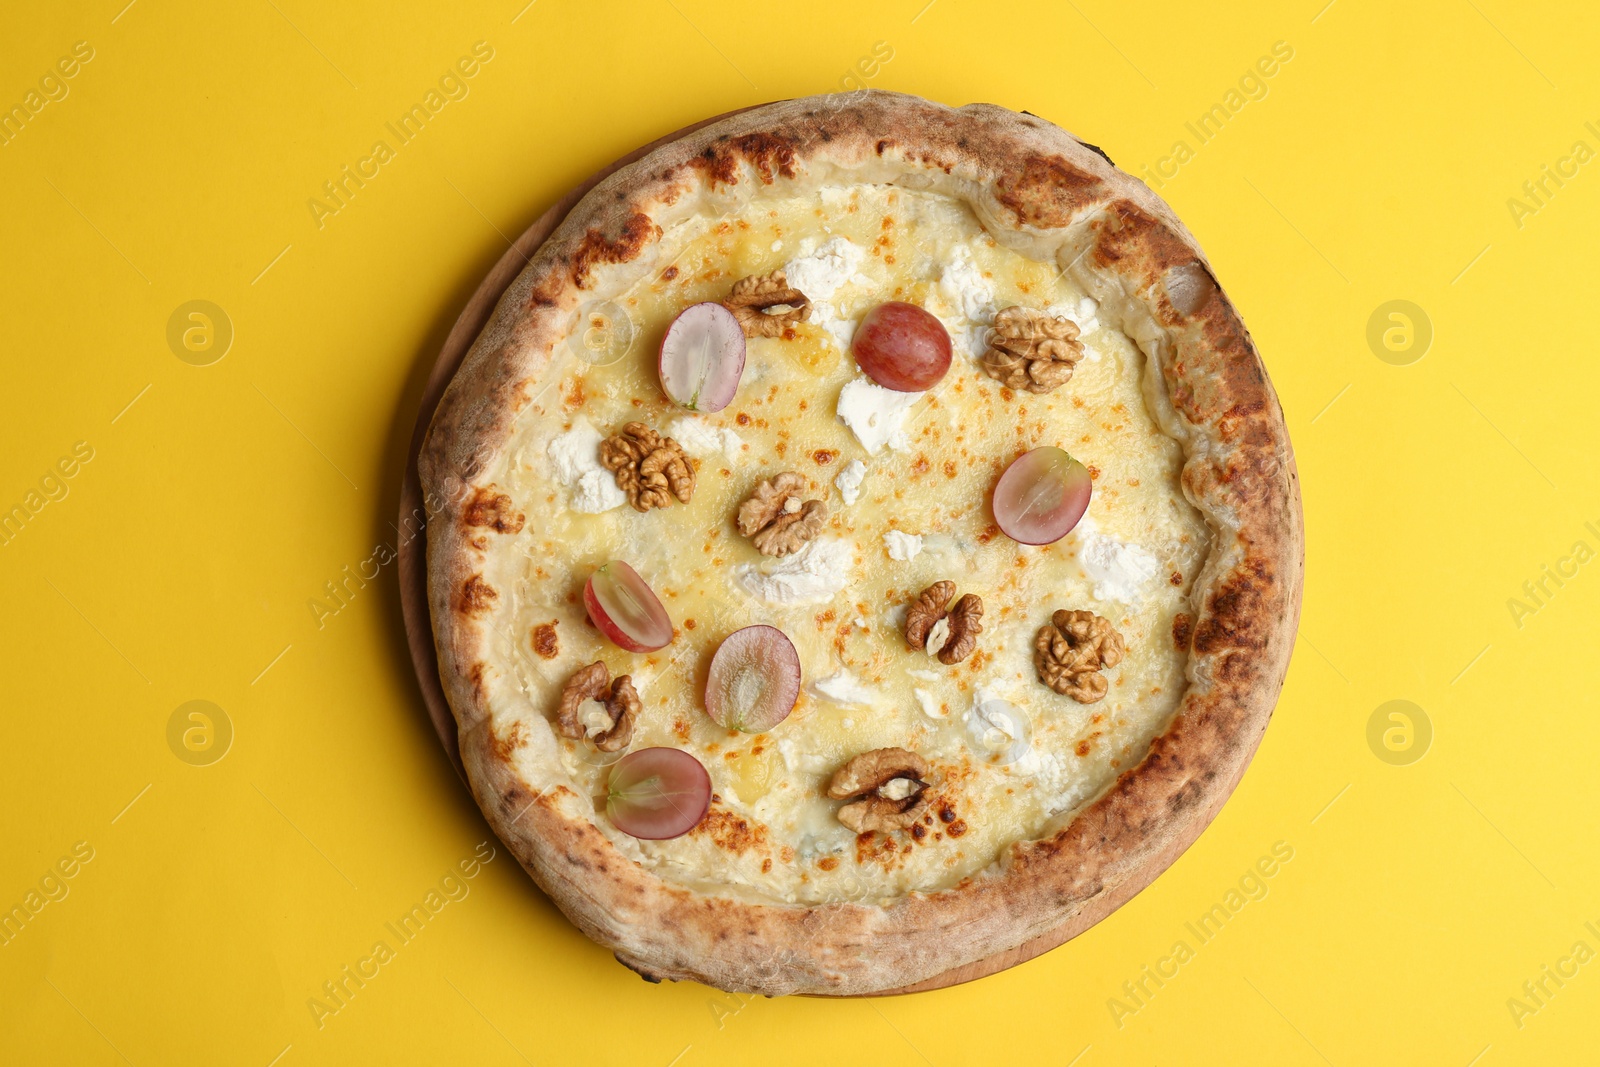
<point x="1182" y="631"/>
<point x="769" y="154"/>
<point x="1241" y="612"/>
<point x="546" y="293"/>
<point x="1045" y="191"/>
<point x="653" y="979"/>
<point x="625" y="243"/>
<point x="545" y="640"/>
<point x="505" y="747"/>
<point x="1186" y="796"/>
<point x="476" y="596"/>
<point x="475" y="679"/>
<point x="493" y="510"/>
<point x="1128" y="231"/>
<point x="1096" y="149"/>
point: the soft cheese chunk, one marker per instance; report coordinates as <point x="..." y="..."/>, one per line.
<point x="843" y="687"/>
<point x="816" y="572"/>
<point x="964" y="286"/>
<point x="822" y="272"/>
<point x="576" y="456"/>
<point x="1119" y="571"/>
<point x="700" y="438"/>
<point x="850" y="479"/>
<point x="874" y="414"/>
<point x="902" y="546"/>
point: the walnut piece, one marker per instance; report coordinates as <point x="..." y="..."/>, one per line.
<point x="964" y="629"/>
<point x="1031" y="349"/>
<point x="776" y="520"/>
<point x="885" y="787"/>
<point x="608" y="720"/>
<point x="753" y="299"/>
<point x="1072" y="650"/>
<point x="926" y="610"/>
<point x="955" y="639"/>
<point x="650" y="468"/>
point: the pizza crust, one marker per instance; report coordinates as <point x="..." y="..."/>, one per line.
<point x="1044" y="193"/>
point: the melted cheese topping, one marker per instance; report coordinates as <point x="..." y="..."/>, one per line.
<point x="908" y="485"/>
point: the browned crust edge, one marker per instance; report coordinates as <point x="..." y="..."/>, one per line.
<point x="1028" y="180"/>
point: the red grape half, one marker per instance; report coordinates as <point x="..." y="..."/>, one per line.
<point x="657" y="793"/>
<point x="1041" y="496"/>
<point x="702" y="357"/>
<point x="625" y="609"/>
<point x="754" y="680"/>
<point x="902" y="347"/>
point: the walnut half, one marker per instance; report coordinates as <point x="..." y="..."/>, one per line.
<point x="776" y="520"/>
<point x="1071" y="651"/>
<point x="650" y="468"/>
<point x="755" y="303"/>
<point x="951" y="635"/>
<point x="1032" y="349"/>
<point x="886" y="788"/>
<point x="596" y="707"/>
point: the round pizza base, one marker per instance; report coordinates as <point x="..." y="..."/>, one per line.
<point x="413" y="556"/>
<point x="414" y="581"/>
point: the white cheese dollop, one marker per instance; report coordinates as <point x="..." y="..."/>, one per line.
<point x="965" y="287"/>
<point x="1083" y="312"/>
<point x="824" y="271"/>
<point x="699" y="438"/>
<point x="816" y="572"/>
<point x="820" y="272"/>
<point x="576" y="455"/>
<point x="902" y="546"/>
<point x="971" y="296"/>
<point x="841" y="329"/>
<point x="874" y="414"/>
<point x="849" y="481"/>
<point x="1119" y="571"/>
<point x="929" y="703"/>
<point x="843" y="687"/>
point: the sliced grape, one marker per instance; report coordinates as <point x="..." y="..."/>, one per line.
<point x="657" y="793"/>
<point x="1041" y="496"/>
<point x="754" y="680"/>
<point x="625" y="609"/>
<point x="702" y="357"/>
<point x="902" y="347"/>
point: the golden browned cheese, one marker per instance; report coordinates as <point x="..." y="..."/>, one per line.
<point x="921" y="516"/>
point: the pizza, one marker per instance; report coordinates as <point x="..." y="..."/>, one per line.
<point x="864" y="548"/>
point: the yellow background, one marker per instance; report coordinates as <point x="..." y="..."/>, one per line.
<point x="180" y="564"/>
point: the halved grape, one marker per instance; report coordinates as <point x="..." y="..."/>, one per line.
<point x="1041" y="496"/>
<point x="702" y="357"/>
<point x="625" y="609"/>
<point x="902" y="347"/>
<point x="754" y="680"/>
<point x="657" y="793"/>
